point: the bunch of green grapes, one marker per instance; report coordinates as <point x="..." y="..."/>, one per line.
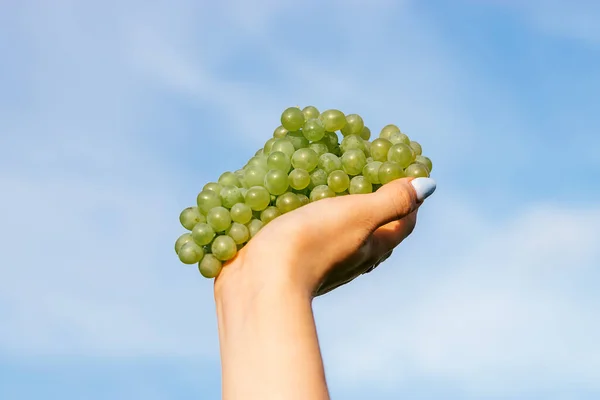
<point x="303" y="162"/>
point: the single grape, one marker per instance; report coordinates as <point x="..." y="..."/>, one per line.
<point x="190" y="217"/>
<point x="224" y="248"/>
<point x="353" y="162"/>
<point x="303" y="199"/>
<point x="298" y="140"/>
<point x="310" y="112"/>
<point x="239" y="233"/>
<point x="354" y="125"/>
<point x="241" y="213"/>
<point x="425" y="161"/>
<point x="305" y="159"/>
<point x="299" y="179"/>
<point x="255" y="176"/>
<point x="319" y="147"/>
<point x="280" y="161"/>
<point x="317" y="178"/>
<point x="332" y="140"/>
<point x="243" y="192"/>
<point x="416" y="147"/>
<point x="280" y="132"/>
<point x="401" y="154"/>
<point x="333" y="120"/>
<point x="269" y="145"/>
<point x="203" y="234"/>
<point x="283" y="145"/>
<point x="398" y="137"/>
<point x="338" y="181"/>
<point x="257" y="198"/>
<point x="387" y="130"/>
<point x="276" y="182"/>
<point x="210" y="266"/>
<point x="367" y="148"/>
<point x="329" y="162"/>
<point x="380" y="149"/>
<point x="321" y="192"/>
<point x="371" y="171"/>
<point x="360" y="185"/>
<point x="344" y="193"/>
<point x="390" y="171"/>
<point x="231" y="195"/>
<point x="366" y="133"/>
<point x="288" y="202"/>
<point x="269" y="214"/>
<point x="292" y="119"/>
<point x="181" y="240"/>
<point x="190" y="253"/>
<point x="240" y="174"/>
<point x="219" y="219"/>
<point x="353" y="142"/>
<point x="258" y="161"/>
<point x="207" y="200"/>
<point x="258" y="153"/>
<point x="254" y="226"/>
<point x="213" y="186"/>
<point x="417" y="170"/>
<point x="313" y="129"/>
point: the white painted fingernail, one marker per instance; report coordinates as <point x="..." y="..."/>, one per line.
<point x="424" y="187"/>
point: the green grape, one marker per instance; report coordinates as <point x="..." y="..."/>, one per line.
<point x="243" y="191"/>
<point x="390" y="171"/>
<point x="207" y="199"/>
<point x="353" y="161"/>
<point x="298" y="140"/>
<point x="387" y="130"/>
<point x="190" y="217"/>
<point x="366" y="133"/>
<point x="269" y="214"/>
<point x="181" y="240"/>
<point x="321" y="192"/>
<point x="332" y="140"/>
<point x="219" y="219"/>
<point x="229" y="179"/>
<point x="360" y="185"/>
<point x="258" y="153"/>
<point x="223" y="248"/>
<point x="371" y="171"/>
<point x="417" y="170"/>
<point x="354" y="125"/>
<point x="210" y="266"/>
<point x="398" y="137"/>
<point x="258" y="161"/>
<point x="329" y="162"/>
<point x="344" y="193"/>
<point x="401" y="154"/>
<point x="380" y="149"/>
<point x="299" y="179"/>
<point x="241" y="213"/>
<point x="276" y="181"/>
<point x="255" y="176"/>
<point x="231" y="195"/>
<point x="367" y="148"/>
<point x="203" y="234"/>
<point x="288" y="202"/>
<point x="190" y="253"/>
<point x="273" y="198"/>
<point x="283" y="145"/>
<point x="310" y="112"/>
<point x="280" y="161"/>
<point x="313" y="129"/>
<point x="319" y="147"/>
<point x="280" y="132"/>
<point x="334" y="120"/>
<point x="254" y="226"/>
<point x="213" y="186"/>
<point x="317" y="178"/>
<point x="240" y="175"/>
<point x="425" y="161"/>
<point x="269" y="145"/>
<point x="338" y="181"/>
<point x="257" y="198"/>
<point x="303" y="199"/>
<point x="351" y="142"/>
<point x="305" y="159"/>
<point x="416" y="147"/>
<point x="239" y="233"/>
<point x="292" y="119"/>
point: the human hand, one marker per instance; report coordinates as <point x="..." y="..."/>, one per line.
<point x="328" y="243"/>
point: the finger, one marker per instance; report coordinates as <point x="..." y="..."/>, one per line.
<point x="390" y="235"/>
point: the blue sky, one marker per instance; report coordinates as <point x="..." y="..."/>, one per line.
<point x="113" y="115"/>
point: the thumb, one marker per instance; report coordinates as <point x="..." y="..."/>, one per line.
<point x="396" y="200"/>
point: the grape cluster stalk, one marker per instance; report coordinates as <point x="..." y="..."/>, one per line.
<point x="303" y="162"/>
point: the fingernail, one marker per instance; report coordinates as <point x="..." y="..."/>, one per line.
<point x="424" y="187"/>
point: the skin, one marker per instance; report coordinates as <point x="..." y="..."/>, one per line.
<point x="268" y="339"/>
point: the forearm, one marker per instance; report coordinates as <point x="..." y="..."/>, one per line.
<point x="269" y="345"/>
